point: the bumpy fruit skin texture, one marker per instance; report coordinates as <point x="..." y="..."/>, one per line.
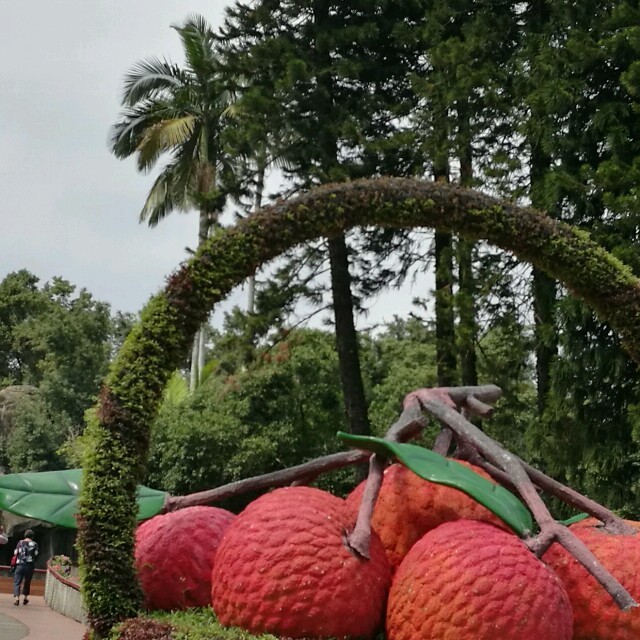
<point x="174" y="556"/>
<point x="596" y="616"/>
<point x="469" y="580"/>
<point x="408" y="507"/>
<point x="283" y="568"/>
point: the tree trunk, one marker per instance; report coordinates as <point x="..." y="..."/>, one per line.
<point x="467" y="325"/>
<point x="197" y="354"/>
<point x="444" y="307"/>
<point x="194" y="376"/>
<point x="201" y="351"/>
<point x="444" y="310"/>
<point x="347" y="339"/>
<point x="204" y="225"/>
<point x="346" y="336"/>
<point x="544" y="303"/>
<point x="466" y="298"/>
<point x="544" y="288"/>
<point x="257" y="203"/>
<point x="544" y="291"/>
<point x="206" y="184"/>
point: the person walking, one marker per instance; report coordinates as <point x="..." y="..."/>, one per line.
<point x="26" y="553"/>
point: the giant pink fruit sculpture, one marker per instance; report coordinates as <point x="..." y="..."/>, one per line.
<point x="596" y="615"/>
<point x="408" y="507"/>
<point x="174" y="556"/>
<point x="283" y="567"/>
<point x="468" y="580"/>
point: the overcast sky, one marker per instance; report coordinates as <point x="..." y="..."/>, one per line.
<point x="67" y="206"/>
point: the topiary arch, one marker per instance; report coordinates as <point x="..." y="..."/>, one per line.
<point x="156" y="346"/>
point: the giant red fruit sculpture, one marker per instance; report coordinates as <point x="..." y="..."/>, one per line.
<point x="470" y="580"/>
<point x="283" y="567"/>
<point x="596" y="615"/>
<point x="408" y="507"/>
<point x="174" y="556"/>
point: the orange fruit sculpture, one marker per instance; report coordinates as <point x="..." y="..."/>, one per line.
<point x="596" y="616"/>
<point x="283" y="567"/>
<point x="469" y="580"/>
<point x="408" y="507"/>
<point x="174" y="556"/>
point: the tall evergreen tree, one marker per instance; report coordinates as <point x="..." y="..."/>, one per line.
<point x="594" y="147"/>
<point x="337" y="70"/>
<point x="462" y="88"/>
<point x="466" y="296"/>
<point x="541" y="82"/>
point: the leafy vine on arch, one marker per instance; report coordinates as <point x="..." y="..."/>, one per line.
<point x="155" y="347"/>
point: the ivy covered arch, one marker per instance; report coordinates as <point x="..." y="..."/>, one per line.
<point x="132" y="390"/>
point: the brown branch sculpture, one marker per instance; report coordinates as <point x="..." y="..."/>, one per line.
<point x="443" y="404"/>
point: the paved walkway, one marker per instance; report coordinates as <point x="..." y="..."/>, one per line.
<point x="36" y="621"/>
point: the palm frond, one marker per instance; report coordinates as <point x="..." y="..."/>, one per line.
<point x="121" y="141"/>
<point x="126" y="134"/>
<point x="176" y="392"/>
<point x="198" y="43"/>
<point x="165" y="135"/>
<point x="280" y="161"/>
<point x="233" y="110"/>
<point x="150" y="77"/>
<point x="161" y="200"/>
<point x="197" y="23"/>
<point x="187" y="164"/>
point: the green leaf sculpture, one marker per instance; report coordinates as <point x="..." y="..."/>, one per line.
<point x="52" y="496"/>
<point x="577" y="518"/>
<point x="436" y="468"/>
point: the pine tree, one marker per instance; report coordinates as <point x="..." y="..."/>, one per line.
<point x="462" y="108"/>
<point x="539" y="79"/>
<point x="593" y="143"/>
<point x="340" y="82"/>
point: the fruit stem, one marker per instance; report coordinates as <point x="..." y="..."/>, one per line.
<point x="279" y="478"/>
<point x="556" y="532"/>
<point x="443" y="441"/>
<point x="613" y="523"/>
<point x="359" y="540"/>
<point x="410" y="423"/>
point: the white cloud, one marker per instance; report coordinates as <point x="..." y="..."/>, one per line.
<point x="68" y="207"/>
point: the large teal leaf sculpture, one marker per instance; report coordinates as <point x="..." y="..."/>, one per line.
<point x="436" y="468"/>
<point x="52" y="496"/>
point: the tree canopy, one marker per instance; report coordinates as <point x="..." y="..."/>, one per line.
<point x="59" y="341"/>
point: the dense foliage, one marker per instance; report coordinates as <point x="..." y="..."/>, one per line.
<point x="283" y="409"/>
<point x="60" y="342"/>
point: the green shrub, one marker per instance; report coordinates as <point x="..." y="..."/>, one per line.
<point x="143" y="629"/>
<point x="195" y="624"/>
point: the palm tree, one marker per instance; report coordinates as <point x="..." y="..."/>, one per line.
<point x="179" y="111"/>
